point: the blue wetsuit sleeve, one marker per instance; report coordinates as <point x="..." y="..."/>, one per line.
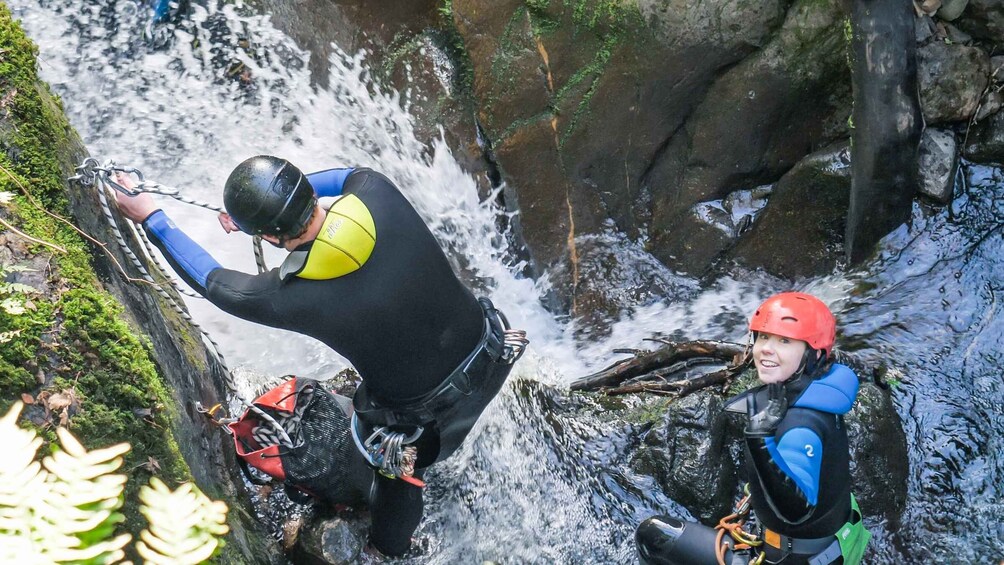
<point x="799" y="453"/>
<point x="189" y="260"/>
<point x="329" y="182"/>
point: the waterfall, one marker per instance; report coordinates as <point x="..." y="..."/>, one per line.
<point x="532" y="485"/>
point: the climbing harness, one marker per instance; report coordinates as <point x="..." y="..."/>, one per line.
<point x="391" y="453"/>
<point x="733" y="525"/>
<point x="449" y="410"/>
<point x="93" y="174"/>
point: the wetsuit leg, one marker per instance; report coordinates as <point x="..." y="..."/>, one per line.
<point x="664" y="540"/>
<point x="395" y="510"/>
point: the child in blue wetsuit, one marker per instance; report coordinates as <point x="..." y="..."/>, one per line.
<point x="797" y="452"/>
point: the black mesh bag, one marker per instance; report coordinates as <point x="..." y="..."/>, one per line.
<point x="317" y="459"/>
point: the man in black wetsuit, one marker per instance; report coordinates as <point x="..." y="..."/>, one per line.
<point x="366" y="277"/>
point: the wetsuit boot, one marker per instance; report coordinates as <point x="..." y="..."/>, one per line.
<point x="664" y="540"/>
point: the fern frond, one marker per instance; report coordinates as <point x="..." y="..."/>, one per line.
<point x="21" y="477"/>
<point x="83" y="497"/>
<point x="22" y="481"/>
<point x="184" y="524"/>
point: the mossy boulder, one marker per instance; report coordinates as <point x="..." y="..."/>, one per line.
<point x="89" y="351"/>
<point x="801" y="231"/>
<point x="687" y="452"/>
<point x="952" y="80"/>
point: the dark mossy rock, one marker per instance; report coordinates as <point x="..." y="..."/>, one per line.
<point x="688" y="453"/>
<point x="801" y="231"/>
<point x="879" y="458"/>
<point x="330" y="538"/>
<point x="985" y="143"/>
<point x="952" y="80"/>
<point x="983" y="19"/>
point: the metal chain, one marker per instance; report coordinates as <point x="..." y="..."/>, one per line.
<point x="91" y="173"/>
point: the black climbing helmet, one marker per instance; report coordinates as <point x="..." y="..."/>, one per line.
<point x="267" y="195"/>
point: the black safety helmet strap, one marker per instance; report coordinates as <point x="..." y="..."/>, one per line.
<point x="267" y="195"/>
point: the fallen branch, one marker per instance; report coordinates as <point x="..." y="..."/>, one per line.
<point x="683" y="387"/>
<point x="656" y="364"/>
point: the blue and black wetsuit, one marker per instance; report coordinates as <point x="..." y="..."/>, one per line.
<point x="403" y="319"/>
<point x="799" y="479"/>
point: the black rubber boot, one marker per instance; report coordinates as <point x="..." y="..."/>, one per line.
<point x="664" y="540"/>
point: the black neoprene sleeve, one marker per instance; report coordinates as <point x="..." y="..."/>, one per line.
<point x="782" y="493"/>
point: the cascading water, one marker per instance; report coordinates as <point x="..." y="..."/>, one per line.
<point x="533" y="484"/>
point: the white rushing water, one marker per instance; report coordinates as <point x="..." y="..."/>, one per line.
<point x="172" y="113"/>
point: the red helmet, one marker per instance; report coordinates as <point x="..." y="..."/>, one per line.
<point x="797" y="315"/>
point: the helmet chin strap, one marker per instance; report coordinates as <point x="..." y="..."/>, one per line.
<point x="810" y="360"/>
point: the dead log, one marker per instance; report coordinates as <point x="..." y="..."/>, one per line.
<point x="655" y="364"/>
<point x="682" y="387"/>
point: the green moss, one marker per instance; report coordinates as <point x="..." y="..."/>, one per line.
<point x="650" y="411"/>
<point x="453" y="44"/>
<point x="76" y="336"/>
<point x="541" y="20"/>
<point x="591" y="72"/>
<point x="524" y="122"/>
<point x="605" y="16"/>
<point x="745" y="381"/>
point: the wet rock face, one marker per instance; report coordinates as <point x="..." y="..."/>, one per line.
<point x="688" y="453"/>
<point x="615" y="275"/>
<point x="986" y="141"/>
<point x="604" y="110"/>
<point x="952" y="80"/>
<point x="757" y="120"/>
<point x="800" y="231"/>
